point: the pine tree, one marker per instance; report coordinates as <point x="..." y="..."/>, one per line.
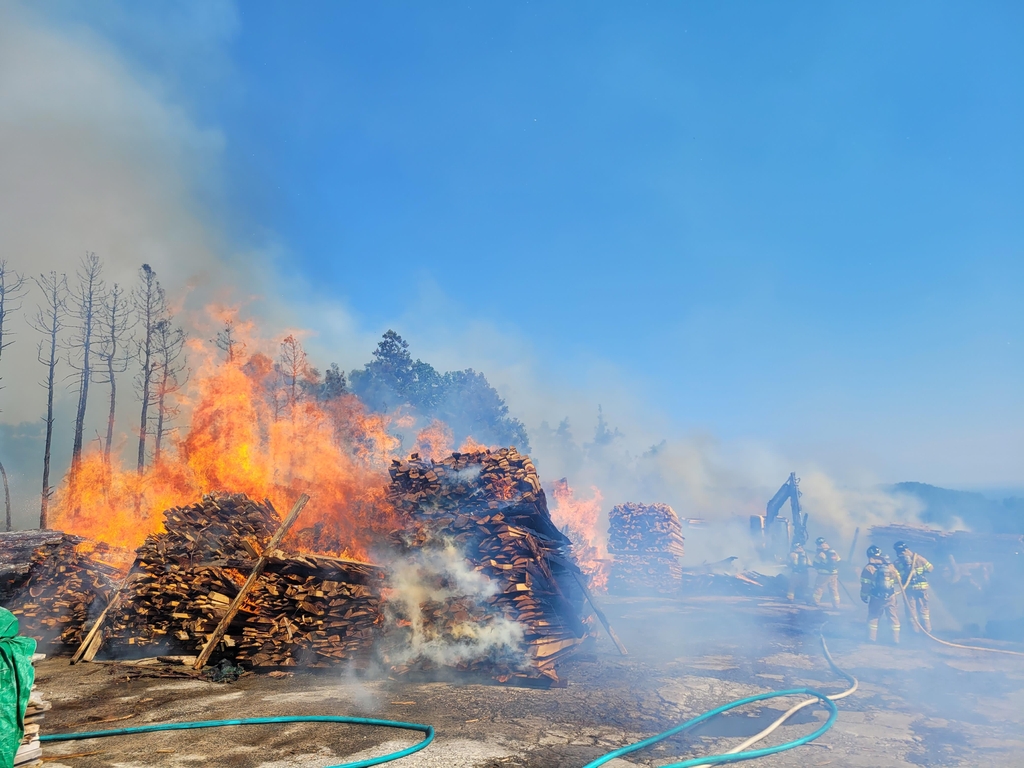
<point x="150" y="311"/>
<point x="49" y="321"/>
<point x="86" y="302"/>
<point x="12" y="286"/>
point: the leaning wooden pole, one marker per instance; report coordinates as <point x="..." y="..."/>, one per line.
<point x="257" y="571"/>
<point x="94" y="640"/>
<point x="598" y="612"/>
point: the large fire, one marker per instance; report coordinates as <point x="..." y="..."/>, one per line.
<point x="247" y="432"/>
<point x="580" y="518"/>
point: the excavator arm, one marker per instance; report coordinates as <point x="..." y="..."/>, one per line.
<point x="790" y="492"/>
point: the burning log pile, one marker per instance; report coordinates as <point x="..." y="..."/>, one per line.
<point x="55" y="583"/>
<point x="484" y="511"/>
<point x="305" y="609"/>
<point x="646" y="541"/>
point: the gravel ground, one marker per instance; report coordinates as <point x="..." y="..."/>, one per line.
<point x="918" y="705"/>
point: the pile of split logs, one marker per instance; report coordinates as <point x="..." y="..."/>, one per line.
<point x="646" y="542"/>
<point x="55" y="583"/>
<point x="303" y="609"/>
<point x="30" y="752"/>
<point x="483" y="511"/>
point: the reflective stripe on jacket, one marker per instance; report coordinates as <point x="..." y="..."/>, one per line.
<point x="912" y="571"/>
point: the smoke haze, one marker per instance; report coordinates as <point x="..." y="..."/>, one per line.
<point x="107" y="161"/>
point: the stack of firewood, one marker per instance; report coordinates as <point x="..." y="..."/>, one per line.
<point x="30" y="752"/>
<point x="646" y="541"/>
<point x="305" y="609"/>
<point x="490" y="507"/>
<point x="55" y="584"/>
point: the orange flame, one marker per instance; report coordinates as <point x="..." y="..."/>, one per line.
<point x="435" y="441"/>
<point x="580" y="518"/>
<point x="249" y="434"/>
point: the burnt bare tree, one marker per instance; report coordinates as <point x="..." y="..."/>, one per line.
<point x="171" y="376"/>
<point x="49" y="321"/>
<point x="112" y="351"/>
<point x="86" y="304"/>
<point x="294" y="367"/>
<point x="227" y="343"/>
<point x="12" y="287"/>
<point x="150" y="310"/>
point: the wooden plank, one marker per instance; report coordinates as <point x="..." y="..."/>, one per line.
<point x="250" y="582"/>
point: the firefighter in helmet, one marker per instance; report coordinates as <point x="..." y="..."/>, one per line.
<point x="826" y="563"/>
<point x="878" y="585"/>
<point x="913" y="569"/>
<point x="799" y="567"/>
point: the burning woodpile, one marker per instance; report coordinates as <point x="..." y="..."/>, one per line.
<point x="305" y="609"/>
<point x="646" y="541"/>
<point x="55" y="583"/>
<point x="483" y="515"/>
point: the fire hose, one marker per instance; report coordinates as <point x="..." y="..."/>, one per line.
<point x="735" y="754"/>
<point x="913" y="617"/>
<point x="428" y="730"/>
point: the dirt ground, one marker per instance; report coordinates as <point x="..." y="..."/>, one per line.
<point x="918" y="705"/>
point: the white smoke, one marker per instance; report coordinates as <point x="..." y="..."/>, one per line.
<point x="439" y="573"/>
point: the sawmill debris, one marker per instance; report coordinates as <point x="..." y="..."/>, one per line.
<point x="490" y="505"/>
<point x="305" y="610"/>
<point x="56" y="583"/>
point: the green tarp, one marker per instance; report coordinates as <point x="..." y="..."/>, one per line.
<point x="16" y="676"/>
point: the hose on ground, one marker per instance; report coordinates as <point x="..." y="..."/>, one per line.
<point x="913" y="617"/>
<point x="737" y="753"/>
<point x="427" y="730"/>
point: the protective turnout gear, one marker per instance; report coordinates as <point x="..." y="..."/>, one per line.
<point x="874" y="551"/>
<point x="799" y="566"/>
<point x="900" y="547"/>
<point x="913" y="570"/>
<point x="826" y="563"/>
<point x="878" y="586"/>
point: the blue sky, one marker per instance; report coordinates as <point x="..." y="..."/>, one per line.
<point x="799" y="223"/>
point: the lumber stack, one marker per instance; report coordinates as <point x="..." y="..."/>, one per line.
<point x="305" y="609"/>
<point x="491" y="508"/>
<point x="646" y="542"/>
<point x="30" y="752"/>
<point x="55" y="583"/>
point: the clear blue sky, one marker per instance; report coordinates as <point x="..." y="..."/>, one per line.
<point x="795" y="221"/>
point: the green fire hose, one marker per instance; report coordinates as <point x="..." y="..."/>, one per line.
<point x="734" y="755"/>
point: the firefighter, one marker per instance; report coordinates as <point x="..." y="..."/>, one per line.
<point x="826" y="563"/>
<point x="878" y="589"/>
<point x="913" y="568"/>
<point x="799" y="565"/>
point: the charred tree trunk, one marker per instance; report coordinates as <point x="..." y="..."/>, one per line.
<point x="88" y="293"/>
<point x="170" y="343"/>
<point x="114" y="327"/>
<point x="7" y="498"/>
<point x="151" y="307"/>
<point x="12" y="285"/>
<point x="49" y="321"/>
